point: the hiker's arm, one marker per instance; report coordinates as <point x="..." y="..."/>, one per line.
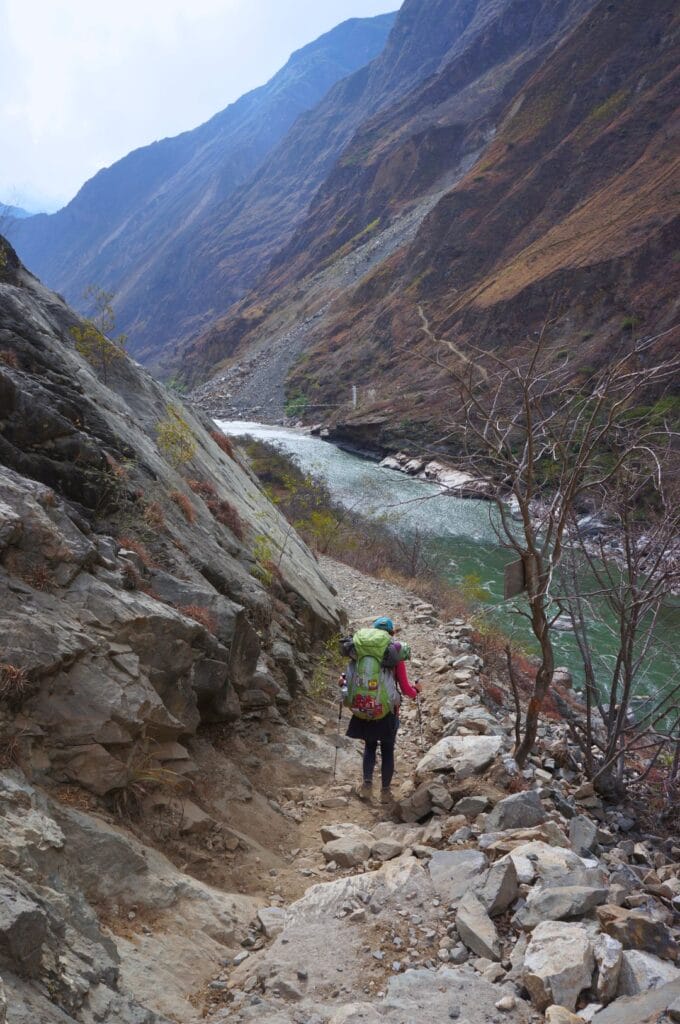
<point x="403" y="683"/>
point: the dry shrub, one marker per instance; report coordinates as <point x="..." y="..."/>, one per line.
<point x="40" y="577"/>
<point x="200" y="615"/>
<point x="14" y="683"/>
<point x="9" y="358"/>
<point x="131" y="578"/>
<point x="203" y="488"/>
<point x="9" y="752"/>
<point x="134" y="545"/>
<point x="154" y="516"/>
<point x="183" y="502"/>
<point x="223" y="442"/>
<point x="228" y="516"/>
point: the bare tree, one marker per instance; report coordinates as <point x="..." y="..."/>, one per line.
<point x="553" y="439"/>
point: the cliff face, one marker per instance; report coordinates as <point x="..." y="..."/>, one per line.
<point x="133" y="603"/>
<point x="148" y="591"/>
<point x="560" y="153"/>
<point x="130" y="226"/>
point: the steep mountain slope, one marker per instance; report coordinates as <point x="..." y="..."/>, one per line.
<point x="401" y="159"/>
<point x="139" y="609"/>
<point x="12" y="211"/>
<point x="124" y="228"/>
<point x="570" y="212"/>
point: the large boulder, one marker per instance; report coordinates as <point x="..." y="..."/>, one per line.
<point x="521" y="810"/>
<point x="641" y="972"/>
<point x="635" y="930"/>
<point x="461" y="755"/>
<point x="608" y="957"/>
<point x="476" y="928"/>
<point x="453" y="872"/>
<point x="23" y="929"/>
<point x="559" y="902"/>
<point x="558" y="964"/>
<point x="500" y="887"/>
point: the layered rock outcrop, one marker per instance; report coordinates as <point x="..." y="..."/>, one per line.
<point x="147" y="589"/>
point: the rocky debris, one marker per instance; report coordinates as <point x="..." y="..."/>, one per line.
<point x="461" y="755"/>
<point x="637" y="931"/>
<point x="348" y="851"/>
<point x="642" y="971"/>
<point x="453" y="481"/>
<point x="558" y="965"/>
<point x="521" y="810"/>
<point x="500" y="887"/>
<point x="476" y="928"/>
<point x="560" y="1015"/>
<point x="608" y="957"/>
<point x="582" y="835"/>
<point x="452" y="872"/>
<point x="559" y="903"/>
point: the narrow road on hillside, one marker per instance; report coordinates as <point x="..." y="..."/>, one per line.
<point x="449" y="344"/>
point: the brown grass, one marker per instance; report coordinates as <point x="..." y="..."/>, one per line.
<point x="40" y="577"/>
<point x="223" y="442"/>
<point x="203" y="488"/>
<point x="9" y="358"/>
<point x="131" y="578"/>
<point x="200" y="615"/>
<point x="134" y="545"/>
<point x="154" y="516"/>
<point x="184" y="503"/>
<point x="227" y="515"/>
<point x="14" y="683"/>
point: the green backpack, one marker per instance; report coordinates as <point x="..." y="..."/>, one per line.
<point x="371" y="690"/>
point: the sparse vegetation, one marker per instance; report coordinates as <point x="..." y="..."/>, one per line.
<point x="154" y="516"/>
<point x="92" y="337"/>
<point x="175" y="438"/>
<point x="203" y="616"/>
<point x="223" y="442"/>
<point x="296" y="406"/>
<point x="9" y="358"/>
<point x="183" y="502"/>
<point x="14" y="682"/>
<point x="130" y="544"/>
<point x="226" y="514"/>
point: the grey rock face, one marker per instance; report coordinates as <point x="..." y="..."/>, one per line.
<point x="23" y="930"/>
<point x="558" y="965"/>
<point x="582" y="835"/>
<point x="641" y="972"/>
<point x="476" y="928"/>
<point x="521" y="810"/>
<point x="452" y="872"/>
<point x="559" y="902"/>
<point x="500" y="887"/>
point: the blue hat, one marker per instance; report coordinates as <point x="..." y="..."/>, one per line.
<point x="384" y="623"/>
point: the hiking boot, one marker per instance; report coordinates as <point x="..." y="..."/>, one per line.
<point x="386" y="795"/>
<point x="365" y="791"/>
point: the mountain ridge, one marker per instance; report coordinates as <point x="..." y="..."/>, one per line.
<point x="124" y="220"/>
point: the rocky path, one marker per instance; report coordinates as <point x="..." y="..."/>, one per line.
<point x="463" y="902"/>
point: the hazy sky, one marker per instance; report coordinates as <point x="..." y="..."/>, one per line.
<point x="82" y="82"/>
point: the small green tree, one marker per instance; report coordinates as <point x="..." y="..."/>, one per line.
<point x="175" y="439"/>
<point x="93" y="337"/>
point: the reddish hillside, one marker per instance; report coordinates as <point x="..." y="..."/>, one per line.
<point x="571" y="213"/>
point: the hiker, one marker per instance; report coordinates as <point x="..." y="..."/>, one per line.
<point x="376" y="678"/>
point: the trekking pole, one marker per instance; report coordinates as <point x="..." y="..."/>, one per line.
<point x="420" y="721"/>
<point x="343" y="691"/>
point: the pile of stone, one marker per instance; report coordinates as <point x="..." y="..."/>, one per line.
<point x="545" y="898"/>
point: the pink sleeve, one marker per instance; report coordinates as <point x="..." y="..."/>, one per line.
<point x="402" y="680"/>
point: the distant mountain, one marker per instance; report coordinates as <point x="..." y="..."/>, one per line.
<point x="134" y="226"/>
<point x="531" y="178"/>
<point x="13" y="211"/>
